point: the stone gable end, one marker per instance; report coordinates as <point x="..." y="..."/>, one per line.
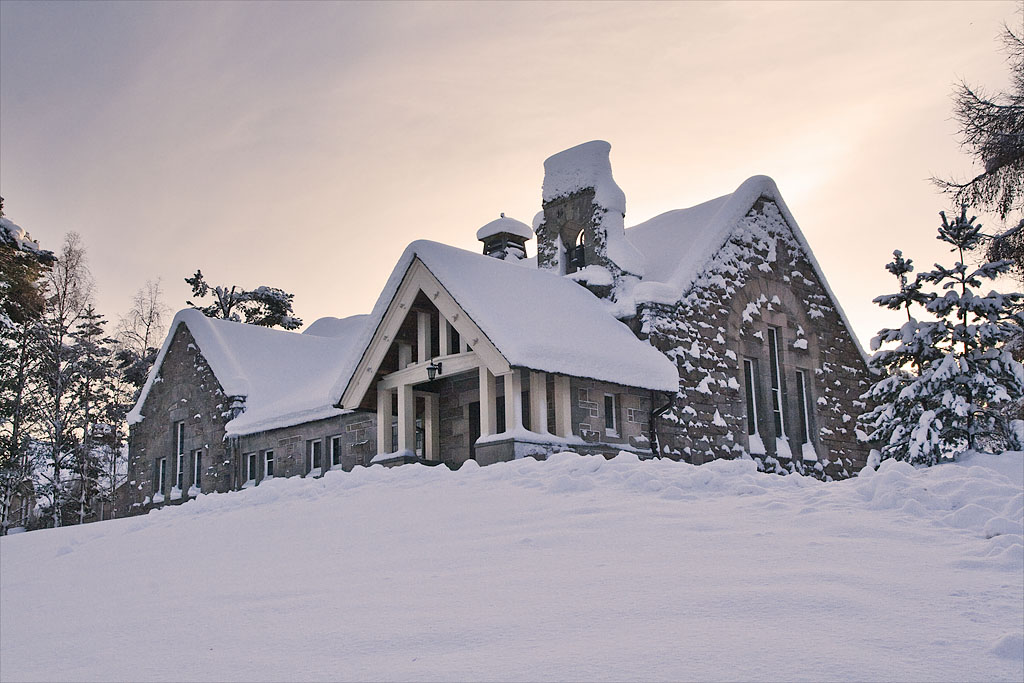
<point x="761" y="285"/>
<point x="184" y="390"/>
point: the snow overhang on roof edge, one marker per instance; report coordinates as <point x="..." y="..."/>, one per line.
<point x="210" y="342"/>
<point x="735" y="208"/>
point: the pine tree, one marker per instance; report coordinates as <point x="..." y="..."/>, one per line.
<point x="265" y="306"/>
<point x="23" y="266"/>
<point x="943" y="383"/>
<point x="95" y="396"/>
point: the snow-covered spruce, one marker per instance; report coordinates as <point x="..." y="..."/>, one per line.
<point x="944" y="381"/>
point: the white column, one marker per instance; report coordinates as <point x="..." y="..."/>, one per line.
<point x="431" y="427"/>
<point x="488" y="404"/>
<point x="538" y="402"/>
<point x="513" y="401"/>
<point x="423" y="336"/>
<point x="563" y="407"/>
<point x="384" y="444"/>
<point x="406" y="418"/>
<point x="444" y="335"/>
<point x="404" y="355"/>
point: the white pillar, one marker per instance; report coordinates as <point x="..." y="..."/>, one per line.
<point x="444" y="335"/>
<point x="404" y="355"/>
<point x="488" y="404"/>
<point x="563" y="407"/>
<point x="406" y="418"/>
<point x="423" y="336"/>
<point x="431" y="427"/>
<point x="384" y="444"/>
<point x="538" y="402"/>
<point x="513" y="401"/>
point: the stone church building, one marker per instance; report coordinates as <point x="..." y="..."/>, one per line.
<point x="703" y="333"/>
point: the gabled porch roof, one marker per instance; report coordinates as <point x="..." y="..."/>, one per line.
<point x="533" y="319"/>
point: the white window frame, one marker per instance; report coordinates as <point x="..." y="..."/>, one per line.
<point x="161" y="475"/>
<point x="268" y="464"/>
<point x="336" y="452"/>
<point x="775" y="377"/>
<point x="179" y="438"/>
<point x="251" y="467"/>
<point x="614" y="414"/>
<point x="179" y="475"/>
<point x="803" y="396"/>
<point x="750" y="387"/>
<point x="310" y="448"/>
<point x="197" y="468"/>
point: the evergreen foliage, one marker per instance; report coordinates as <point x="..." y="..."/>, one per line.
<point x="264" y="306"/>
<point x="945" y="381"/>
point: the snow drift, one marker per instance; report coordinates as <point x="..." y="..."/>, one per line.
<point x="574" y="568"/>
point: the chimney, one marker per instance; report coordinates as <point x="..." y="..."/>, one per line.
<point x="505" y="238"/>
<point x="584" y="212"/>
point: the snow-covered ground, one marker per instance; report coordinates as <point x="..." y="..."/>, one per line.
<point x="577" y="568"/>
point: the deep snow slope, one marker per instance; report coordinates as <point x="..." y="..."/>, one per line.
<point x="576" y="568"/>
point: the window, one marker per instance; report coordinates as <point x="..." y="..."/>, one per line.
<point x="773" y="362"/>
<point x="803" y="406"/>
<point x="577" y="255"/>
<point x="315" y="451"/>
<point x="180" y="483"/>
<point x="179" y="438"/>
<point x="611" y="415"/>
<point x="335" y="451"/>
<point x="161" y="475"/>
<point x="750" y="387"/>
<point x="197" y="470"/>
<point x="268" y="464"/>
<point x="250" y="467"/>
<point x="456" y="340"/>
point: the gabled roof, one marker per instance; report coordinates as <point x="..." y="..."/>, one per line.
<point x="533" y="318"/>
<point x="284" y="376"/>
<point x="678" y="244"/>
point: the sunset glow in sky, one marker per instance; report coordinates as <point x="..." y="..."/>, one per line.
<point x="304" y="145"/>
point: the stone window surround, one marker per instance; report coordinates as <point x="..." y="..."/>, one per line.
<point x="786" y="318"/>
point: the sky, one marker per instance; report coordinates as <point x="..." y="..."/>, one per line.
<point x="304" y="145"/>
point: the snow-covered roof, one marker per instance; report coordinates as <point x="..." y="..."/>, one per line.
<point x="285" y="377"/>
<point x="678" y="244"/>
<point x="534" y="318"/>
<point x="337" y="327"/>
<point x="507" y="225"/>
